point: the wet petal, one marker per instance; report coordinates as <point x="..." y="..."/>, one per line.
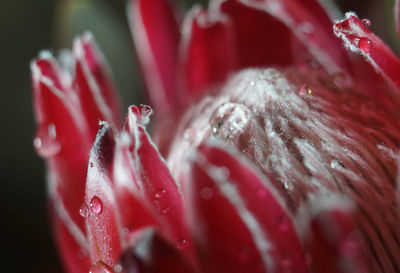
<point x="276" y="222"/>
<point x="156" y="36"/>
<point x="73" y="254"/>
<point x="93" y="85"/>
<point x="281" y="25"/>
<point x="134" y="213"/>
<point x="262" y="40"/>
<point x="208" y="51"/>
<point x="150" y="253"/>
<point x="156" y="185"/>
<point x="61" y="138"/>
<point x="331" y="237"/>
<point x="359" y="39"/>
<point x="230" y="219"/>
<point x="102" y="219"/>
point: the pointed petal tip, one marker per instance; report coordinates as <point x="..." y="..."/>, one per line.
<point x="357" y="38"/>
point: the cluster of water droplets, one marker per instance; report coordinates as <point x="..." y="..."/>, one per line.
<point x="46" y="142"/>
<point x="95" y="207"/>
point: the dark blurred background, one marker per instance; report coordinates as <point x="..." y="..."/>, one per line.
<point x="26" y="27"/>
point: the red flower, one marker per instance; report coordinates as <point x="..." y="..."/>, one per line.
<point x="278" y="145"/>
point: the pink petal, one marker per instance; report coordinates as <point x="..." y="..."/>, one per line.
<point x="208" y="51"/>
<point x="156" y="37"/>
<point x="102" y="217"/>
<point x="359" y="39"/>
<point x="94" y="86"/>
<point x="157" y="186"/>
<point x="234" y="232"/>
<point x="150" y="253"/>
<point x="331" y="238"/>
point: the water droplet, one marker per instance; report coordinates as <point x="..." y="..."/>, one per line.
<point x="252" y="83"/>
<point x="334" y="164"/>
<point x="117" y="268"/>
<point x="84" y="211"/>
<point x="230" y="120"/>
<point x="349" y="248"/>
<point x="284" y="223"/>
<point x="166" y="211"/>
<point x="45" y="142"/>
<point x="286" y="261"/>
<point x="91" y="164"/>
<point x="364" y="44"/>
<point x="96" y="205"/>
<point x="181" y="243"/>
<point x="286" y="185"/>
<point x="366" y="22"/>
<point x="206" y="193"/>
<point x="159" y="194"/>
<point x="100" y="267"/>
<point x="309" y="259"/>
<point x="305" y="90"/>
<point x="307" y="28"/>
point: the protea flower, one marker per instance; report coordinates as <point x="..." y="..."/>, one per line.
<point x="275" y="143"/>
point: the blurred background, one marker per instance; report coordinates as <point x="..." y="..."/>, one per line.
<point x="26" y="27"/>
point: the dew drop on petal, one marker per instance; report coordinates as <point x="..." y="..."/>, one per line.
<point x="206" y="193"/>
<point x="286" y="261"/>
<point x="366" y="22"/>
<point x="159" y="194"/>
<point x="117" y="268"/>
<point x="181" y="243"/>
<point x="100" y="267"/>
<point x="283" y="224"/>
<point x="45" y="142"/>
<point x="96" y="205"/>
<point x="84" y="211"/>
<point x="364" y="44"/>
<point x="349" y="248"/>
<point x="166" y="211"/>
<point x="305" y="90"/>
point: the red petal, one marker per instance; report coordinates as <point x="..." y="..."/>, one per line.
<point x="103" y="216"/>
<point x="94" y="86"/>
<point x="134" y="213"/>
<point x="156" y="36"/>
<point x="157" y="186"/>
<point x="358" y="38"/>
<point x="281" y="19"/>
<point x="150" y="253"/>
<point x="262" y="40"/>
<point x="286" y="250"/>
<point x="61" y="137"/>
<point x="235" y="233"/>
<point x="74" y="256"/>
<point x="331" y="238"/>
<point x="209" y="52"/>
